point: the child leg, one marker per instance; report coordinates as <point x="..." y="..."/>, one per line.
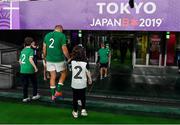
<point x="34" y="83"/>
<point x="25" y="82"/>
<point x="83" y="98"/>
<point x="75" y="100"/>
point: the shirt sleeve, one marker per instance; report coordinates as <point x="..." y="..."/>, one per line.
<point x="31" y="54"/>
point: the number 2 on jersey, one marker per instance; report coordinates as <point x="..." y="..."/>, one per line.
<point x="52" y="43"/>
<point x="77" y="76"/>
<point x="23" y="58"/>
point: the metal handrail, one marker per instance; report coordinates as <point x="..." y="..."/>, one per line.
<point x="3" y="69"/>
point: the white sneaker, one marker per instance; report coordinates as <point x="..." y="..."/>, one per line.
<point x="101" y="78"/>
<point x="84" y="112"/>
<point x="75" y="114"/>
<point x="26" y="99"/>
<point x="36" y="97"/>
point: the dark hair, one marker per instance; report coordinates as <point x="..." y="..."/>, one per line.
<point x="78" y="54"/>
<point x="28" y="41"/>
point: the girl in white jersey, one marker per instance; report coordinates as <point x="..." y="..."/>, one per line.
<point x="80" y="77"/>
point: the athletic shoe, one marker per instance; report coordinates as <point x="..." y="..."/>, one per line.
<point x="84" y="112"/>
<point x="75" y="114"/>
<point x="36" y="97"/>
<point x="26" y="99"/>
<point x="58" y="94"/>
<point x="101" y="78"/>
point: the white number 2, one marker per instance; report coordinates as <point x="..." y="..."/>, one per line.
<point x="23" y="58"/>
<point x="52" y="43"/>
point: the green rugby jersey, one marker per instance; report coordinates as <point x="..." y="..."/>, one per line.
<point x="103" y="54"/>
<point x="26" y="67"/>
<point x="54" y="42"/>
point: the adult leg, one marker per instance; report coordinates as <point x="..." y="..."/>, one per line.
<point x="52" y="83"/>
<point x="63" y="76"/>
<point x="60" y="83"/>
<point x="44" y="73"/>
<point x="101" y="72"/>
<point x="105" y="72"/>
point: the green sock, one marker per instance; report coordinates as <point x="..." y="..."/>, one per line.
<point x="52" y="90"/>
<point x="59" y="87"/>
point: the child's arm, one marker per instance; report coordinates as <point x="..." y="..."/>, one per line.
<point x="33" y="64"/>
<point x="88" y="73"/>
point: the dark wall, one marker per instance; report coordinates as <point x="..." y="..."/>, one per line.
<point x="17" y="36"/>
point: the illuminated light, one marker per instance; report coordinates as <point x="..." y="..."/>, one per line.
<point x="167" y="35"/>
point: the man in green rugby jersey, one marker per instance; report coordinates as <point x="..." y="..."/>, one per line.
<point x="104" y="60"/>
<point x="54" y="50"/>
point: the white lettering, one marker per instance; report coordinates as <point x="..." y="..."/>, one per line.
<point x="104" y="21"/>
<point x="92" y="24"/>
<point x="110" y="23"/>
<point x="117" y="22"/>
<point x="138" y="7"/>
<point x="151" y="6"/>
<point x="112" y="8"/>
<point x="98" y="22"/>
<point x="124" y="8"/>
<point x="101" y="5"/>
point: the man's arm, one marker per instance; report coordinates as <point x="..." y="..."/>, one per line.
<point x="44" y="50"/>
<point x="88" y="73"/>
<point x="109" y="59"/>
<point x="65" y="51"/>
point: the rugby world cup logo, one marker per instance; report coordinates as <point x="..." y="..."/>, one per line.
<point x="4" y="16"/>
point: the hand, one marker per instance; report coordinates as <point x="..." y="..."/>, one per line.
<point x="109" y="65"/>
<point x="69" y="60"/>
<point x="90" y="82"/>
<point x="20" y="62"/>
<point x="36" y="70"/>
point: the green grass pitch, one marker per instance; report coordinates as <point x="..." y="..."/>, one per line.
<point x="11" y="112"/>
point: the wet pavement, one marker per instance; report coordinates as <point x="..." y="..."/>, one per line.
<point x="123" y="80"/>
<point x="140" y="81"/>
<point x="140" y="89"/>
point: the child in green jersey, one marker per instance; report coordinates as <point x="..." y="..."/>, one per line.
<point x="28" y="70"/>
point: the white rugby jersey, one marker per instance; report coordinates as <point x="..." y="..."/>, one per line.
<point x="79" y="77"/>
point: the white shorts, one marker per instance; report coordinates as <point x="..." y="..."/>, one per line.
<point x="58" y="67"/>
